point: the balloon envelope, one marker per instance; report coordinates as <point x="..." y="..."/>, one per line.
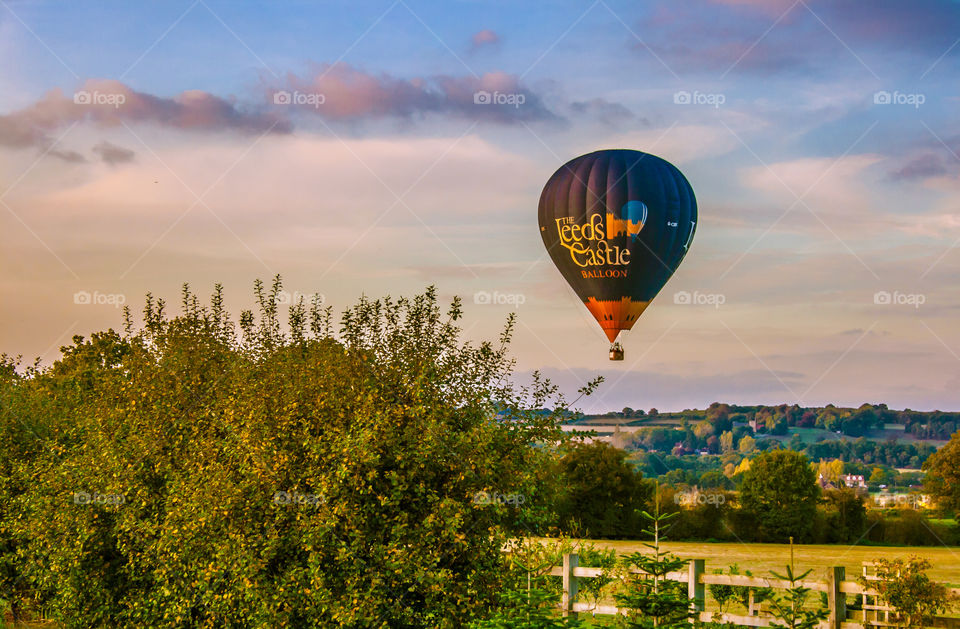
<point x="617" y="224"/>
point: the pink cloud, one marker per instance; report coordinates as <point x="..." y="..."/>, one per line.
<point x="342" y="92"/>
<point x="110" y="103"/>
<point x="486" y="37"/>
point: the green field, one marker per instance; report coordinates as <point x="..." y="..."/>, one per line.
<point x="761" y="558"/>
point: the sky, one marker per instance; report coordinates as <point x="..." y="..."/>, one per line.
<point x="339" y="144"/>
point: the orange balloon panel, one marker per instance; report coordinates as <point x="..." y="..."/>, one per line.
<point x="614" y="315"/>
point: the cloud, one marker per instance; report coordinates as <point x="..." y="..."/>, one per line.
<point x="483" y="38"/>
<point x="680" y="143"/>
<point x="110" y="103"/>
<point x="342" y="92"/>
<point x="71" y="157"/>
<point x="112" y="154"/>
<point x="927" y="165"/>
<point x="603" y="110"/>
<point x="771" y="37"/>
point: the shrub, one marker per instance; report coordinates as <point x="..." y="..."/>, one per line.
<point x="271" y="476"/>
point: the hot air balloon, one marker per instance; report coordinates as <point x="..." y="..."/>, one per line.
<point x="617" y="223"/>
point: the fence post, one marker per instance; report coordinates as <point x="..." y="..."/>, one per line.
<point x="836" y="600"/>
<point x="570" y="561"/>
<point x="695" y="587"/>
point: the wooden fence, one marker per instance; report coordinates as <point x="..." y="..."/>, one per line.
<point x="873" y="612"/>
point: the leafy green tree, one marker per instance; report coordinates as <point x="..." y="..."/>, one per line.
<point x="601" y="494"/>
<point x="714" y="479"/>
<point x="274" y="473"/>
<point x="881" y="476"/>
<point x="781" y="491"/>
<point x="942" y="480"/>
<point x="747" y="444"/>
<point x="846" y="516"/>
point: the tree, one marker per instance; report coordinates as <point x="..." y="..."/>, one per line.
<point x="747" y="444"/>
<point x="703" y="429"/>
<point x="790" y="609"/>
<point x="600" y="492"/>
<point x="780" y="490"/>
<point x="726" y="442"/>
<point x="881" y="476"/>
<point x="276" y="475"/>
<point x="650" y="599"/>
<point x="904" y="585"/>
<point x="831" y="470"/>
<point x="714" y="479"/>
<point x="943" y="475"/>
<point x="846" y="516"/>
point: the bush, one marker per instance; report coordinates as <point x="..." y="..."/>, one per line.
<point x="903" y="584"/>
<point x="186" y="475"/>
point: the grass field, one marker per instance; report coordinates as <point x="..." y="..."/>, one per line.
<point x="761" y="558"/>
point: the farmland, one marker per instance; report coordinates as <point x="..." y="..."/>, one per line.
<point x="761" y="558"/>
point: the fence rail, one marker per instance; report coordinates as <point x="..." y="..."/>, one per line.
<point x="835" y="586"/>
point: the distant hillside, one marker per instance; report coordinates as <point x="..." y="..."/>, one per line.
<point x="870" y="420"/>
<point x="869" y="434"/>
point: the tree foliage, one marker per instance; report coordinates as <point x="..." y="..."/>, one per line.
<point x="904" y="585"/>
<point x="190" y="474"/>
<point x="599" y="493"/>
<point x="943" y="475"/>
<point x="780" y="489"/>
